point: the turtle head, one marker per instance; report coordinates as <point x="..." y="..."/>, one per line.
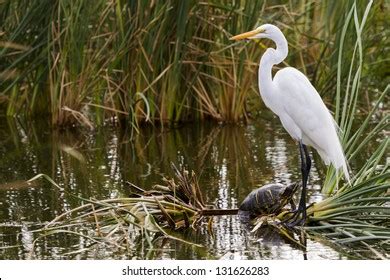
<point x="290" y="190"/>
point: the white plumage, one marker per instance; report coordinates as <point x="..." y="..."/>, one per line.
<point x="305" y="116"/>
<point x="292" y="97"/>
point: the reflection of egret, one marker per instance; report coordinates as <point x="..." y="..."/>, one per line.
<point x="291" y="96"/>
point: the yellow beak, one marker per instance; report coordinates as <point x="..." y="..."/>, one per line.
<point x="246" y="34"/>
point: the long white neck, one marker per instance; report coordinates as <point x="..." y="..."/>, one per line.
<point x="269" y="59"/>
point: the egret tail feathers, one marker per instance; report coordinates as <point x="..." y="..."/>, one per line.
<point x="340" y="162"/>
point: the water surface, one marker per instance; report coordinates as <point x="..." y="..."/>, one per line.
<point x="230" y="161"/>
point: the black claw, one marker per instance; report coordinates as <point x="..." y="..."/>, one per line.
<point x="296" y="222"/>
<point x="298" y="217"/>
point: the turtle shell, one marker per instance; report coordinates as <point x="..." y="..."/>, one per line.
<point x="268" y="199"/>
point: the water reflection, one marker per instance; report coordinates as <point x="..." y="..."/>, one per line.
<point x="229" y="160"/>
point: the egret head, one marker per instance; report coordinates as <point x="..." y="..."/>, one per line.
<point x="268" y="31"/>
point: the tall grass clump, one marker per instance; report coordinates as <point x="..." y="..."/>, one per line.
<point x="82" y="61"/>
<point x="162" y="61"/>
<point x="357" y="213"/>
<point x="357" y="130"/>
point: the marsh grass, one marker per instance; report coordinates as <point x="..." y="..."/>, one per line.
<point x="162" y="61"/>
<point x="348" y="93"/>
<point x="355" y="219"/>
<point x="355" y="214"/>
<point x="175" y="205"/>
<point x="171" y="62"/>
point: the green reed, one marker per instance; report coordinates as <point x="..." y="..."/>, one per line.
<point x="166" y="61"/>
<point x="356" y="132"/>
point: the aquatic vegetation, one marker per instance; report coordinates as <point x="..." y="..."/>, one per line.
<point x="88" y="63"/>
<point x="176" y="205"/>
<point x="357" y="212"/>
<point x="356" y="132"/>
<point x="114" y="68"/>
<point x="356" y="215"/>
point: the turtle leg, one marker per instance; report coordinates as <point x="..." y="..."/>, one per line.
<point x="295" y="219"/>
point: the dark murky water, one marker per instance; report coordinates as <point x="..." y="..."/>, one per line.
<point x="229" y="160"/>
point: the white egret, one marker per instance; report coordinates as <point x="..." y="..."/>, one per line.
<point x="291" y="96"/>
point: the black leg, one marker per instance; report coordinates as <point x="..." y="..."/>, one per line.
<point x="308" y="160"/>
<point x="305" y="169"/>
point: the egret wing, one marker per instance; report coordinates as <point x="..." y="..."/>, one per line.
<point x="302" y="104"/>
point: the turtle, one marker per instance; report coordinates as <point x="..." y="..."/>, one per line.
<point x="269" y="199"/>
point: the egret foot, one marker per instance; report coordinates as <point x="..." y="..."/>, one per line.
<point x="298" y="217"/>
<point x="295" y="222"/>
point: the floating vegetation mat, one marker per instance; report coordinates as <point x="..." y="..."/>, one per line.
<point x="356" y="215"/>
<point x="176" y="205"/>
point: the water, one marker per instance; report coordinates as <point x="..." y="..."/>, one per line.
<point x="229" y="160"/>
